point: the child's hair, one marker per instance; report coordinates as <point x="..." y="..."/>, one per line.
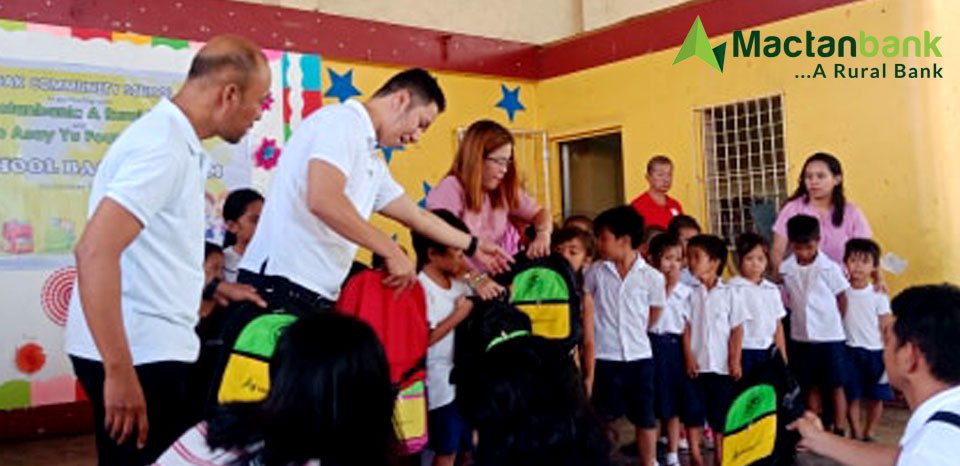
<point x="566" y="234"/>
<point x="651" y="232"/>
<point x="526" y="399"/>
<point x="573" y="219"/>
<point x="929" y="317"/>
<point x="658" y="160"/>
<point x="803" y="229"/>
<point x="864" y="246"/>
<point x="330" y="399"/>
<point x="680" y="222"/>
<point x="234" y="208"/>
<point x="210" y="248"/>
<point x="837" y="198"/>
<point x="746" y="242"/>
<point x="659" y="246"/>
<point x="422" y="245"/>
<point x="714" y="246"/>
<point x="621" y="221"/>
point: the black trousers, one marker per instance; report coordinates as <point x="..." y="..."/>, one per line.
<point x="165" y="390"/>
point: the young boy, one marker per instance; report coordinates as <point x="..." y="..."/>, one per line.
<point x="815" y="286"/>
<point x="867" y="313"/>
<point x="712" y="341"/>
<point x="628" y="297"/>
<point x="654" y="205"/>
<point x="447" y="306"/>
<point x="684" y="227"/>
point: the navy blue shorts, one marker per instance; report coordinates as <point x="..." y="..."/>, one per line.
<point x="710" y="401"/>
<point x="448" y="432"/>
<point x="750" y="358"/>
<point x="625" y="388"/>
<point x="671" y="385"/>
<point x="863" y="376"/>
<point x="822" y="365"/>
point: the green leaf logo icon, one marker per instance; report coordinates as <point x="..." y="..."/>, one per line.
<point x="697" y="44"/>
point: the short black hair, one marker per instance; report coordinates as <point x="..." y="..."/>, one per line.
<point x="235" y="207"/>
<point x="864" y="246"/>
<point x="419" y="83"/>
<point x="659" y="245"/>
<point x="929" y="317"/>
<point x="578" y="218"/>
<point x="746" y="242"/>
<point x="621" y="221"/>
<point x="422" y="245"/>
<point x="211" y="248"/>
<point x="714" y="246"/>
<point x="564" y="235"/>
<point x="803" y="229"/>
<point x="680" y="222"/>
<point x="651" y="232"/>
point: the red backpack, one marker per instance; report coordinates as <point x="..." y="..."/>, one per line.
<point x="400" y="320"/>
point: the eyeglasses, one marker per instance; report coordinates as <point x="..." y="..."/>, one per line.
<point x="502" y="162"/>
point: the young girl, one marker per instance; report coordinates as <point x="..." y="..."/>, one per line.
<point x="576" y="246"/>
<point x="241" y="212"/>
<point x="330" y="402"/>
<point x="763" y="302"/>
<point x="672" y="387"/>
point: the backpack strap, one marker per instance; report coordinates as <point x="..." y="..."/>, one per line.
<point x="947" y="417"/>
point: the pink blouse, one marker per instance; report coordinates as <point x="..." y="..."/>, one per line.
<point x="833" y="239"/>
<point x="491" y="224"/>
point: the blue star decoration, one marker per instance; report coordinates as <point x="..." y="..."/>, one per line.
<point x="388" y="152"/>
<point x="341" y="85"/>
<point x="510" y="101"/>
<point x="426" y="191"/>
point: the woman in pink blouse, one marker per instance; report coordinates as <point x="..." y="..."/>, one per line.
<point x="820" y="194"/>
<point x="482" y="189"/>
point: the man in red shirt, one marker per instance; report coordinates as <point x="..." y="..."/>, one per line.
<point x="654" y="205"/>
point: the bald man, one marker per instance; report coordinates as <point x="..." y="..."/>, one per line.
<point x="130" y="331"/>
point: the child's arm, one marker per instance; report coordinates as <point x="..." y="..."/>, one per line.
<point x="781" y="341"/>
<point x="655" y="312"/>
<point x="206" y="307"/>
<point x="589" y="343"/>
<point x="460" y="312"/>
<point x="733" y="352"/>
<point x="842" y="303"/>
<point x="885" y="321"/>
<point x="690" y="361"/>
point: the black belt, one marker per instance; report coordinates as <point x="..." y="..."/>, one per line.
<point x="282" y="292"/>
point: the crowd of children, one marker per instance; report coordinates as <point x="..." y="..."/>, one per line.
<point x="665" y="334"/>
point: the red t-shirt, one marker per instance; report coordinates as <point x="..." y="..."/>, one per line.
<point x="656" y="214"/>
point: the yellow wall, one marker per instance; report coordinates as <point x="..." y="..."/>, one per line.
<point x="897" y="138"/>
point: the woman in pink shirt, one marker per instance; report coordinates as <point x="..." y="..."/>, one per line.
<point x="820" y="194"/>
<point x="482" y="189"/>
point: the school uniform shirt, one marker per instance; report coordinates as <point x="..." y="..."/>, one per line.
<point x="813" y="291"/>
<point x="622" y="308"/>
<point x="441" y="303"/>
<point x="157" y="171"/>
<point x="687" y="277"/>
<point x="291" y="240"/>
<point x="231" y="264"/>
<point x="191" y="449"/>
<point x="713" y="316"/>
<point x="931" y="443"/>
<point x="676" y="311"/>
<point x="862" y="320"/>
<point x="763" y="306"/>
<point x="655" y="214"/>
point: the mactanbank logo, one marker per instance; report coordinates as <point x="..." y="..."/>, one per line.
<point x="697" y="44"/>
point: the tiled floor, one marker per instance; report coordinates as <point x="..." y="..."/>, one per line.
<point x="80" y="451"/>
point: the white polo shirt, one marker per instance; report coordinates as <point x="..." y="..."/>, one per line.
<point x="764" y="309"/>
<point x="622" y="308"/>
<point x="713" y="316"/>
<point x="676" y="312"/>
<point x="157" y="171"/>
<point x="293" y="241"/>
<point x="862" y="320"/>
<point x="441" y="302"/>
<point x="933" y="443"/>
<point x="813" y="290"/>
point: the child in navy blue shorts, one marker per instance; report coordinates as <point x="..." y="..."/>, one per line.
<point x="711" y="341"/>
<point x="672" y="388"/>
<point x="868" y="311"/>
<point x="815" y="285"/>
<point x="763" y="330"/>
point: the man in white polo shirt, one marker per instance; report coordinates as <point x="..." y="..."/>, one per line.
<point x="130" y="331"/>
<point x="922" y="355"/>
<point x="328" y="183"/>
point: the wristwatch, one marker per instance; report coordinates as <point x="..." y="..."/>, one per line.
<point x="472" y="248"/>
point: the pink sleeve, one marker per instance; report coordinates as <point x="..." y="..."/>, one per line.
<point x="528" y="207"/>
<point x="859" y="228"/>
<point x="789" y="210"/>
<point x="447" y="194"/>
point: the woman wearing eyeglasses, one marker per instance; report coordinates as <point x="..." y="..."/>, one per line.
<point x="482" y="189"/>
